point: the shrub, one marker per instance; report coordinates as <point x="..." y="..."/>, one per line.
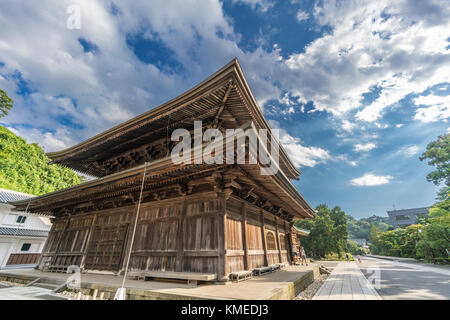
<point x="335" y="257"/>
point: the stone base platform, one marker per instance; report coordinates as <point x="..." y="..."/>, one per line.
<point x="283" y="284"/>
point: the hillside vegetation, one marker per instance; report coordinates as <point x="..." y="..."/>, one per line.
<point x="360" y="228"/>
<point x="24" y="167"/>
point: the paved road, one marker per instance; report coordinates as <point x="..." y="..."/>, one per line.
<point x="405" y="281"/>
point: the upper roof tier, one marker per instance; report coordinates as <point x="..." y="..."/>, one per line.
<point x="224" y="97"/>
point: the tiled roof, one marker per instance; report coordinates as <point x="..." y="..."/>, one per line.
<point x="19" y="232"/>
<point x="301" y="231"/>
<point x="9" y="195"/>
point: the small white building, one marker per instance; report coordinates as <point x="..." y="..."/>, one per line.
<point x="361" y="242"/>
<point x="22" y="235"/>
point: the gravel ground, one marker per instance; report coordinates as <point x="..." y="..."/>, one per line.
<point x="4" y="284"/>
<point x="311" y="290"/>
<point x="71" y="295"/>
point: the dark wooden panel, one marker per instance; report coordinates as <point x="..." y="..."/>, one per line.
<point x="106" y="247"/>
<point x="201" y="233"/>
<point x="23" y="258"/>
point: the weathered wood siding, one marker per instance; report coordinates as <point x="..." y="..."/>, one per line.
<point x="177" y="235"/>
<point x="66" y="243"/>
<point x="198" y="233"/>
<point x="107" y="244"/>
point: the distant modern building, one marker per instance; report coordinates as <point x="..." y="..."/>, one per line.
<point x="406" y="217"/>
<point x="22" y="235"/>
<point x="361" y="242"/>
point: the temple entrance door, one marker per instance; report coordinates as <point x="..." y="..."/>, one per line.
<point x="106" y="247"/>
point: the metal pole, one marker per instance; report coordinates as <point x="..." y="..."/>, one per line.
<point x="134" y="229"/>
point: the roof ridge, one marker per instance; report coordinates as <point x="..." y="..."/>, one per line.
<point x="17" y="192"/>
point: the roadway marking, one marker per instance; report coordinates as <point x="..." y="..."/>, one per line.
<point x="389" y="269"/>
<point x="416" y="267"/>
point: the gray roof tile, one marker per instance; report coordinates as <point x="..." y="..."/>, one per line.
<point x="6" y="231"/>
<point x="9" y="195"/>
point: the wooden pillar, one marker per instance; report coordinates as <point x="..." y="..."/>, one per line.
<point x="58" y="247"/>
<point x="44" y="250"/>
<point x="180" y="237"/>
<point x="244" y="235"/>
<point x="264" y="240"/>
<point x="278" y="240"/>
<point x="88" y="242"/>
<point x="288" y="235"/>
<point x="63" y="233"/>
<point x="128" y="238"/>
<point x="221" y="240"/>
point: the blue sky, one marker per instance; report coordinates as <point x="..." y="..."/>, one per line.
<point x="358" y="88"/>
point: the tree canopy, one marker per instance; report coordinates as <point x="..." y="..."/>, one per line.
<point x="328" y="232"/>
<point x="6" y="103"/>
<point x="438" y="154"/>
<point x="430" y="238"/>
<point x="25" y="167"/>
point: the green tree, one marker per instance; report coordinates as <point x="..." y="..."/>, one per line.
<point x="435" y="243"/>
<point x="6" y="103"/>
<point x="354" y="249"/>
<point x="440" y="213"/>
<point x="328" y="232"/>
<point x="340" y="232"/>
<point x="25" y="167"/>
<point x="438" y="154"/>
<point x="443" y="194"/>
<point x="373" y="233"/>
<point x="410" y="237"/>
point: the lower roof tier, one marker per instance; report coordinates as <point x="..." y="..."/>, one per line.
<point x="163" y="179"/>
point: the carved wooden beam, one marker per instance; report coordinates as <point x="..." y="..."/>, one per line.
<point x="182" y="189"/>
<point x="215" y="122"/>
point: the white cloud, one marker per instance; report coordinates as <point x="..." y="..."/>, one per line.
<point x="344" y="158"/>
<point x="364" y="147"/>
<point x="49" y="141"/>
<point x="302" y="16"/>
<point x="409" y="151"/>
<point x="438" y="108"/>
<point x="98" y="91"/>
<point x="396" y="47"/>
<point x="262" y="5"/>
<point x="300" y="155"/>
<point x="399" y="125"/>
<point x="370" y="179"/>
<point x="304" y="156"/>
<point x="348" y="126"/>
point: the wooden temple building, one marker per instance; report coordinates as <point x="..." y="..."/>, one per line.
<point x="199" y="218"/>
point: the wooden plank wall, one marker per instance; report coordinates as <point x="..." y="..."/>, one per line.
<point x="254" y="238"/>
<point x="178" y="235"/>
<point x="23" y="258"/>
<point x="198" y="233"/>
